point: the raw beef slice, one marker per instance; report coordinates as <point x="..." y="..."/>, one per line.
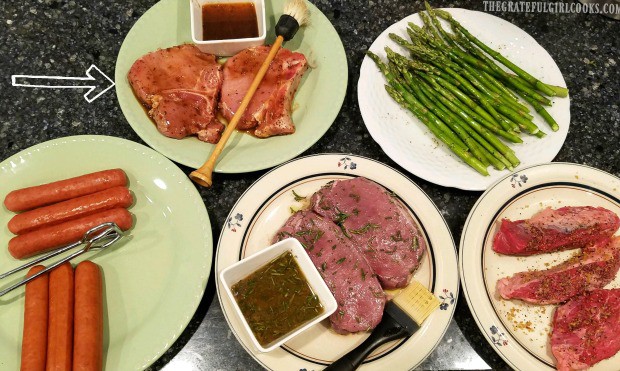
<point x="377" y="223"/>
<point x="269" y="110"/>
<point x="180" y="86"/>
<point x="551" y="230"/>
<point x="343" y="268"/>
<point x="585" y="330"/>
<point x="594" y="268"/>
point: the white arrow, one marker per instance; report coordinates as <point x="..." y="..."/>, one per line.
<point x="96" y="85"/>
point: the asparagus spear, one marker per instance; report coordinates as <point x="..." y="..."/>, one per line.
<point x="393" y="80"/>
<point x="463" y="155"/>
<point x="549" y="90"/>
<point x="443" y="65"/>
<point x="487" y="134"/>
<point x="478" y="145"/>
<point x="461" y="127"/>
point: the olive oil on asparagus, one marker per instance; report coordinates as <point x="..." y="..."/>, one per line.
<point x="276" y="299"/>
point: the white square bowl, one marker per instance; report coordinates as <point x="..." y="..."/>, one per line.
<point x="225" y="47"/>
<point x="245" y="267"/>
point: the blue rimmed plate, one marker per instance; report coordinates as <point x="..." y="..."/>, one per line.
<point x="266" y="205"/>
<point x="517" y="331"/>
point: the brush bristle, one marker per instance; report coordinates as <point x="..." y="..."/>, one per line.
<point x="416" y="301"/>
<point x="298" y="10"/>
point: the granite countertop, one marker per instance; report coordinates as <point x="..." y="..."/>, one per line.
<point x="64" y="37"/>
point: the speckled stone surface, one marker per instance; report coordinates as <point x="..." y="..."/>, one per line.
<point x="60" y="37"/>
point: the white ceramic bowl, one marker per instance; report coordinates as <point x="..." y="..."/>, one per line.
<point x="245" y="267"/>
<point x="227" y="47"/>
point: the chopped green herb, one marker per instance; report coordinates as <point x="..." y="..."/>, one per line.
<point x="364" y="229"/>
<point x="354" y="196"/>
<point x="415" y="243"/>
<point x="298" y="197"/>
<point x="260" y="298"/>
<point x="340" y="217"/>
<point x="396" y="237"/>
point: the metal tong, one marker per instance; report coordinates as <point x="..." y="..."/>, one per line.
<point x="98" y="237"/>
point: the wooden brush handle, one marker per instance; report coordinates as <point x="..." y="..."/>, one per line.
<point x="203" y="175"/>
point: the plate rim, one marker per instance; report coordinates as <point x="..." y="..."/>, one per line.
<point x="514" y="360"/>
<point x="433" y="179"/>
<point x="339" y="88"/>
<point x="202" y="278"/>
<point x="318" y="157"/>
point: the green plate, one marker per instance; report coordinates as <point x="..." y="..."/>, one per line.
<point x="154" y="279"/>
<point x="317" y="102"/>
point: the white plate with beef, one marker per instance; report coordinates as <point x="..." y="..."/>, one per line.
<point x="167" y="24"/>
<point x="270" y="209"/>
<point x="567" y="199"/>
<point x="410" y="144"/>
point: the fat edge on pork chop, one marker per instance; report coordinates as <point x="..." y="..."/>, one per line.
<point x="180" y="87"/>
<point x="269" y="110"/>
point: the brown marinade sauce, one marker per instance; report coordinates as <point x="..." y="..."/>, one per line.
<point x="276" y="299"/>
<point x="222" y="21"/>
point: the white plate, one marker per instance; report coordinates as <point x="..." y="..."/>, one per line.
<point x="264" y="208"/>
<point x="153" y="280"/>
<point x="409" y="143"/>
<point x="519" y="196"/>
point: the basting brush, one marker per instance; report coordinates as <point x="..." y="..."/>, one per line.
<point x="402" y="317"/>
<point x="295" y="15"/>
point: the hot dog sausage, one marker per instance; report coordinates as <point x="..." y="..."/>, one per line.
<point x="60" y="329"/>
<point x="34" y="341"/>
<point x="70" y="209"/>
<point x="48" y="238"/>
<point x="46" y="194"/>
<point x="88" y="318"/>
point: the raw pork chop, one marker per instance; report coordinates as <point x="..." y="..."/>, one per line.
<point x="585" y="330"/>
<point x="180" y="86"/>
<point x="551" y="230"/>
<point x="377" y="223"/>
<point x="269" y="111"/>
<point x="594" y="268"/>
<point x="344" y="269"/>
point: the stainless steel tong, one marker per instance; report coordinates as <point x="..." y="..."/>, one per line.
<point x="98" y="237"/>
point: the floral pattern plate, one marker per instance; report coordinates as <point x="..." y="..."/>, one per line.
<point x="266" y="205"/>
<point x="409" y="143"/>
<point x="518" y="331"/>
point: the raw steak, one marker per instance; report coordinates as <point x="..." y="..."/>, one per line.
<point x="585" y="330"/>
<point x="378" y="225"/>
<point x="269" y="111"/>
<point x="344" y="269"/>
<point x="594" y="268"/>
<point x="551" y="230"/>
<point x="180" y="86"/>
